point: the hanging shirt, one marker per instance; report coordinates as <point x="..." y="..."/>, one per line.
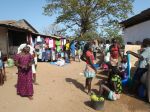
<point x="58" y="42"/>
<point x="64" y="41"/>
<point x="51" y="42"/>
<point x="58" y="48"/>
<point x="39" y="39"/>
<point x="47" y="40"/>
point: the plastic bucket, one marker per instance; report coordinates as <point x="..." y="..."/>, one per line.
<point x="96" y="66"/>
<point x="97" y="105"/>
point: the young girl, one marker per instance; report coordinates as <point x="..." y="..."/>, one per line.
<point x="90" y="70"/>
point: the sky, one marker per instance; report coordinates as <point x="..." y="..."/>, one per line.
<point x="32" y="11"/>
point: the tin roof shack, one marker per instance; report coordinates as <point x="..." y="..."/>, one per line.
<point x="137" y="27"/>
<point x="13" y="33"/>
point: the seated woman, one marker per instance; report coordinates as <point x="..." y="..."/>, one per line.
<point x="60" y="61"/>
<point x="113" y="89"/>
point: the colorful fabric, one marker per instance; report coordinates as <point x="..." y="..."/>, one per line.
<point x="51" y="43"/>
<point x="58" y="48"/>
<point x="58" y="42"/>
<point x="117" y="80"/>
<point x="24" y="83"/>
<point x="47" y="40"/>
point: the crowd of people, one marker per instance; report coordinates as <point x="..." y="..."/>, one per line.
<point x="112" y="61"/>
<point x="115" y="63"/>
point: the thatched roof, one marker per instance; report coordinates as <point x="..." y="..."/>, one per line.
<point x="20" y="24"/>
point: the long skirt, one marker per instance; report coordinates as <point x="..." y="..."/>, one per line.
<point x="25" y="84"/>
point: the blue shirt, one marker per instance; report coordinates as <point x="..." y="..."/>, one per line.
<point x="72" y="47"/>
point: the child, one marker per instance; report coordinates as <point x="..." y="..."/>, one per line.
<point x="114" y="88"/>
<point x="34" y="67"/>
<point x="144" y="58"/>
<point x="123" y="68"/>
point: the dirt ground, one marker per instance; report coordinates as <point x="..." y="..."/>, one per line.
<point x="61" y="89"/>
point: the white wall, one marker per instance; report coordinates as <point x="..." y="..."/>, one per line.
<point x="137" y="32"/>
<point x="3" y="40"/>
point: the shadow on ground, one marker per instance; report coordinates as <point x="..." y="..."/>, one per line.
<point x="88" y="103"/>
<point x="75" y="83"/>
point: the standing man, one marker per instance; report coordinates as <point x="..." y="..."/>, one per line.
<point x="67" y="50"/>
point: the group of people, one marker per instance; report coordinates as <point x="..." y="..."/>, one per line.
<point x="116" y="63"/>
<point x="26" y="62"/>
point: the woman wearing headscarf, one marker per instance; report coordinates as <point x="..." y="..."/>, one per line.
<point x="23" y="61"/>
<point x="114" y="53"/>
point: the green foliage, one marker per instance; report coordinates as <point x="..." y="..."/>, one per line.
<point x="88" y="36"/>
<point x="86" y="13"/>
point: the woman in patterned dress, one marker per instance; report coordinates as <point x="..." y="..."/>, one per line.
<point x="23" y="62"/>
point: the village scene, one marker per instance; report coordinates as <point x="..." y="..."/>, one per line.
<point x="91" y="56"/>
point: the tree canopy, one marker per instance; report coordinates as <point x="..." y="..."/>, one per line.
<point x="88" y="15"/>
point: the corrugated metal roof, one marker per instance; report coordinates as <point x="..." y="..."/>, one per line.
<point x="139" y="18"/>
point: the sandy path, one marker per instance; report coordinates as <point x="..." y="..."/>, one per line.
<point x="60" y="89"/>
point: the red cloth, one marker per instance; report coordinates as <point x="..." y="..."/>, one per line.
<point x="90" y="55"/>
